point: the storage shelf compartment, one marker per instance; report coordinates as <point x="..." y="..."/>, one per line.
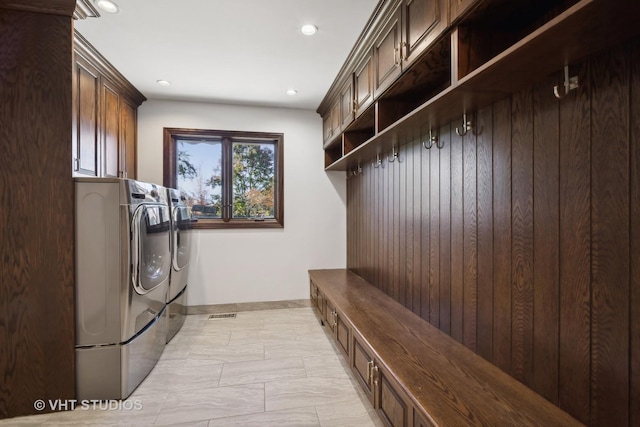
<point x="334" y="141"/>
<point x="424" y="79"/>
<point x="582" y="30"/>
<point x="494" y="26"/>
<point x="332" y="154"/>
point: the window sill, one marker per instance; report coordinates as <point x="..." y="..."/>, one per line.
<point x="214" y="224"/>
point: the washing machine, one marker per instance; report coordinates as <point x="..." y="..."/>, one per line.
<point x="123" y="263"/>
<point x="181" y="230"/>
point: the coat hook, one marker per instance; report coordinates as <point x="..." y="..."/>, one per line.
<point x="378" y="162"/>
<point x="570" y="83"/>
<point x="440" y="144"/>
<point x="432" y="139"/>
<point x="466" y="126"/>
<point x="359" y="169"/>
<point x="394" y="155"/>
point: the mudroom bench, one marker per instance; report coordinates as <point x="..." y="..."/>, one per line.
<point x="413" y="373"/>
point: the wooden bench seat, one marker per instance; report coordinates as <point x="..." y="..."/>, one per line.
<point x="414" y="373"/>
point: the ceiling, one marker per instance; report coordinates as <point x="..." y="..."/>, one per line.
<point x="247" y="52"/>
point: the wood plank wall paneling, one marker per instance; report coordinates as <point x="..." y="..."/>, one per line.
<point x="610" y="239"/>
<point x="634" y="300"/>
<point x="36" y="219"/>
<point x="521" y="239"/>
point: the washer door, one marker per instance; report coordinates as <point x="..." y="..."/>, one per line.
<point x="151" y="247"/>
<point x="181" y="237"/>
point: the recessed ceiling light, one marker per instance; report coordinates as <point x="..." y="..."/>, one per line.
<point x="309" y="29"/>
<point x="163" y="82"/>
<point x="107" y="6"/>
<point x="292" y="92"/>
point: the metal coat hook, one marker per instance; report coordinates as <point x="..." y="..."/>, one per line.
<point x="570" y="83"/>
<point x="378" y="162"/>
<point x="432" y="139"/>
<point x="440" y="144"/>
<point x="466" y="126"/>
<point x="395" y="155"/>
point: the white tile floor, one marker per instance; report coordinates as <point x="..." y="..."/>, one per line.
<point x="263" y="368"/>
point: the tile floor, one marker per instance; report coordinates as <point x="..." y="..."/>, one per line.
<point x="263" y="368"/>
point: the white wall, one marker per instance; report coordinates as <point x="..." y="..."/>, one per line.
<point x="234" y="266"/>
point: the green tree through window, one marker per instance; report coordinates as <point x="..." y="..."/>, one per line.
<point x="231" y="179"/>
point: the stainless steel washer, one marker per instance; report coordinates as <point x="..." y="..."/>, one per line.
<point x="181" y="230"/>
<point x="123" y="262"/>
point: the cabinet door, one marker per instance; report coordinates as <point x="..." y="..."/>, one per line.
<point x="128" y="140"/>
<point x="363" y="83"/>
<point x="110" y="130"/>
<point x="330" y="315"/>
<point x="331" y="122"/>
<point x="346" y="103"/>
<point x="387" y="54"/>
<point x="423" y="21"/>
<point x="362" y="364"/>
<point x="86" y="95"/>
<point x="320" y="305"/>
<point x="390" y="401"/>
<point x="343" y="332"/>
<point x="459" y="7"/>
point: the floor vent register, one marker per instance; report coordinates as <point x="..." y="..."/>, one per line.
<point x="222" y="316"/>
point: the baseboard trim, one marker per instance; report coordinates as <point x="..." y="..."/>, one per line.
<point x="247" y="306"/>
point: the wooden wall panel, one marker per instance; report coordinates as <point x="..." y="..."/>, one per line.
<point x="445" y="229"/>
<point x="425" y="298"/>
<point x="610" y="239"/>
<point x="417" y="226"/>
<point x="521" y="240"/>
<point x="37" y="336"/>
<point x="546" y="255"/>
<point x="485" y="233"/>
<point x="457" y="236"/>
<point x="470" y="239"/>
<point x="502" y="235"/>
<point x="634" y="300"/>
<point x="433" y="260"/>
<point x="407" y="244"/>
<point x="575" y="249"/>
<point x="522" y="236"/>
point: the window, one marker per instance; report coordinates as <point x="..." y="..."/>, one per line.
<point x="231" y="179"/>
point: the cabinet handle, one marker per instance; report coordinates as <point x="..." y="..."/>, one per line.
<point x="355" y="106"/>
<point x="370" y="371"/>
<point x="405" y="50"/>
<point x="335" y="318"/>
<point x="375" y="373"/>
<point x="395" y="55"/>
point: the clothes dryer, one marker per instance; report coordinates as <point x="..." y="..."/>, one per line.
<point x="181" y="230"/>
<point x="123" y="262"/>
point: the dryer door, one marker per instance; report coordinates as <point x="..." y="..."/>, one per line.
<point x="151" y="247"/>
<point x="181" y="237"/>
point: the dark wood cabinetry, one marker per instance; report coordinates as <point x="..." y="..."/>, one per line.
<point x="423" y="21"/>
<point x="436" y="60"/>
<point x="363" y="77"/>
<point x="104" y="116"/>
<point x="86" y="97"/>
<point x="387" y="52"/>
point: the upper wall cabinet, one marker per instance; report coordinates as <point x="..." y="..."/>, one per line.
<point x="422" y="22"/>
<point x="104" y="116"/>
<point x="420" y="64"/>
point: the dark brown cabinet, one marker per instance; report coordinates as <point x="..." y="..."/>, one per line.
<point x="387" y="53"/>
<point x="382" y="390"/>
<point x="362" y="364"/>
<point x="104" y="116"/>
<point x="363" y="83"/>
<point x="86" y="93"/>
<point x="331" y="122"/>
<point x="347" y="103"/>
<point x="422" y="22"/>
